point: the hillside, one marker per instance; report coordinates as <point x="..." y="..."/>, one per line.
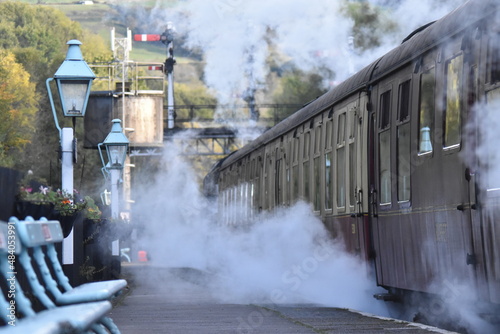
<point x="100" y="17"/>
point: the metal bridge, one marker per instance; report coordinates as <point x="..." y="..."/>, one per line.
<point x="219" y="130"/>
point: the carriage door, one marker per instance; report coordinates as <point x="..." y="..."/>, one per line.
<point x="380" y="174"/>
<point x="487" y="124"/>
<point x="462" y="131"/>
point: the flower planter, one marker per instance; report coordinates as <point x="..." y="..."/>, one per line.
<point x="66" y="218"/>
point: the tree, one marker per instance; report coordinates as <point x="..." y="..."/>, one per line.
<point x="37" y="36"/>
<point x="17" y="108"/>
<point x="297" y="87"/>
<point x="187" y="95"/>
<point x="370" y="24"/>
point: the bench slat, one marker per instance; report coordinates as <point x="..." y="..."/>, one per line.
<point x="92" y="292"/>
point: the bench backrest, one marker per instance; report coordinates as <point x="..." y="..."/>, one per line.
<point x="39" y="233"/>
<point x="8" y="239"/>
<point x="10" y="247"/>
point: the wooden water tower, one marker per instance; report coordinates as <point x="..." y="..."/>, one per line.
<point x="142" y="117"/>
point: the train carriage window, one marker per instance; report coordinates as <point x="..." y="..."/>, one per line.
<point x="494" y="58"/>
<point x="352" y="156"/>
<point x="352" y="174"/>
<point x="287" y="185"/>
<point x="258" y="173"/>
<point x="295" y="169"/>
<point x="305" y="170"/>
<point x="385" y="148"/>
<point x="306" y="180"/>
<point x="317" y="183"/>
<point x="265" y="201"/>
<point x="452" y="121"/>
<point x="341" y="177"/>
<point x="341" y="130"/>
<point x="296" y="145"/>
<point x="253" y="176"/>
<point x="341" y="181"/>
<point x="385" y="110"/>
<point x="328" y="165"/>
<point x="328" y="135"/>
<point x="404" y="162"/>
<point x="403" y="142"/>
<point x="328" y="181"/>
<point x="278" y="192"/>
<point x="426" y="111"/>
<point x="317" y="139"/>
<point x="270" y="185"/>
<point x="404" y="101"/>
<point x="385" y="167"/>
<point x="295" y="178"/>
<point x="317" y="168"/>
<point x="307" y="143"/>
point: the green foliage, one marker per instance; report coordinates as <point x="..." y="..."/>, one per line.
<point x="297" y="87"/>
<point x="17" y="107"/>
<point x="63" y="202"/>
<point x="35" y="37"/>
<point x="370" y="23"/>
<point x="92" y="211"/>
<point x="186" y="95"/>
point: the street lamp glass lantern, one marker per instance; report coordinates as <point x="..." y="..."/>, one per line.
<point x="116" y="154"/>
<point x="116" y="144"/>
<point x="74" y="95"/>
<point x="74" y="81"/>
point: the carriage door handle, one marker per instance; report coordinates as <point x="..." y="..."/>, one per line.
<point x="373" y="193"/>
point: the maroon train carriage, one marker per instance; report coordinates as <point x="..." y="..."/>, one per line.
<point x="389" y="160"/>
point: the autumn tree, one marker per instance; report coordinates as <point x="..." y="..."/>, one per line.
<point x="187" y="95"/>
<point x="17" y="108"/>
<point x="36" y="37"/>
<point x="371" y="22"/>
<point x="297" y="87"/>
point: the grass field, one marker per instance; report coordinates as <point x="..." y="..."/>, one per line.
<point x="96" y="18"/>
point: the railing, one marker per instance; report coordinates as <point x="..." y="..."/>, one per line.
<point x="136" y="75"/>
<point x="211" y="115"/>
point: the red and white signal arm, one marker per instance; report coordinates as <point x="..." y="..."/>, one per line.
<point x="155" y="68"/>
<point x="146" y="38"/>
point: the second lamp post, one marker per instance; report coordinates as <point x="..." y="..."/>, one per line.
<point x="116" y="145"/>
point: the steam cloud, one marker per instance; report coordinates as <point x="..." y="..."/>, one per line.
<point x="285" y="257"/>
<point x="314" y="36"/>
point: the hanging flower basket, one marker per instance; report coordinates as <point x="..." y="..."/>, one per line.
<point x="56" y="205"/>
<point x="66" y="218"/>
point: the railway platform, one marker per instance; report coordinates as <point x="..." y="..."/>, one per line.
<point x="174" y="304"/>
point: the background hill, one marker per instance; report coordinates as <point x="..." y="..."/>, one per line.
<point x="100" y="17"/>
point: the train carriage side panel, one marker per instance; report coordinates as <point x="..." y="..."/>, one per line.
<point x="488" y="227"/>
<point x="424" y="231"/>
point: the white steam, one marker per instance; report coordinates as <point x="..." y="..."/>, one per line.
<point x="485" y="158"/>
<point x="285" y="257"/>
<point x="315" y="36"/>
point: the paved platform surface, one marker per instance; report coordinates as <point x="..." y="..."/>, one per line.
<point x="175" y="305"/>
